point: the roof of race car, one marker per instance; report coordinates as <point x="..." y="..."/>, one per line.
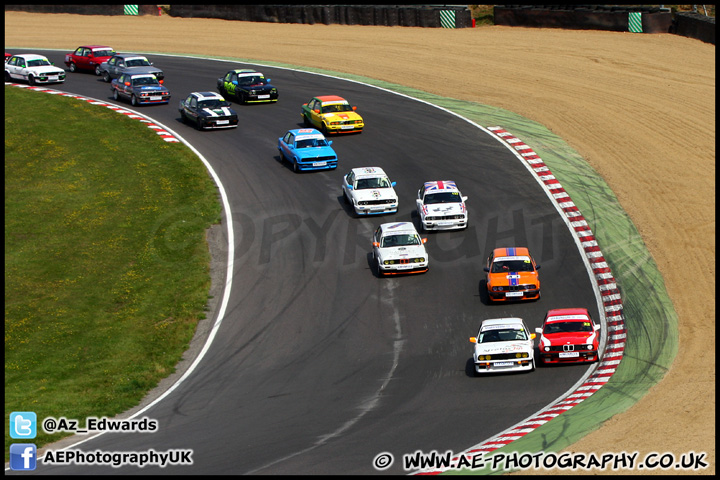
<point x="398" y="227"/>
<point x="511" y="252"/>
<point x="440" y="185"/>
<point x="301" y="133"/>
<point x="207" y="95"/>
<point x="493" y="323"/>
<point x="129" y="55"/>
<point x="96" y="47"/>
<point x="31" y="56"/>
<point x="368" y="172"/>
<point x="331" y="99"/>
<point x="567" y="314"/>
<point x="141" y="75"/>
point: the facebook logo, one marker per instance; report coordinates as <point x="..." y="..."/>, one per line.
<point x="23" y="456"/>
<point x="23" y="425"/>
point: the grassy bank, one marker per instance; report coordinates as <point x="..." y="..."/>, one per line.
<point x="106" y="263"/>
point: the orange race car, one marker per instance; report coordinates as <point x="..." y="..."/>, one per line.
<point x="512" y="275"/>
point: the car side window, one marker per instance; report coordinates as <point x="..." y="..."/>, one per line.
<point x="350" y="178"/>
<point x="286" y="138"/>
<point x="193" y="102"/>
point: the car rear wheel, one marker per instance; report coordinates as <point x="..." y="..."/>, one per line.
<point x="72" y="67"/>
<point x="97" y="70"/>
<point x="8" y="78"/>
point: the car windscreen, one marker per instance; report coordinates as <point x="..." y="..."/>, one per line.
<point x="145" y="81"/>
<point x="568" y="327"/>
<point x="137" y="62"/>
<point x="38" y="63"/>
<point x="500" y="266"/>
<point x="364" y="183"/>
<point x="213" y="104"/>
<point x="442" y="197"/>
<point x="336" y="108"/>
<point x="251" y="80"/>
<point x="502" y="335"/>
<point x="400" y="240"/>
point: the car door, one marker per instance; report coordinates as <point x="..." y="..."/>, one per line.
<point x="117" y="67"/>
<point x="12" y="67"/>
<point x="315" y="118"/>
<point x="82" y="59"/>
<point x="288" y="146"/>
<point x="192" y="109"/>
<point x="124" y="90"/>
<point x="348" y="180"/>
<point x="229" y="85"/>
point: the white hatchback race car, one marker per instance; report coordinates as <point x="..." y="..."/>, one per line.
<point x="441" y="206"/>
<point x="503" y="345"/>
<point x="370" y="191"/>
<point x="398" y="249"/>
<point x="32" y="68"/>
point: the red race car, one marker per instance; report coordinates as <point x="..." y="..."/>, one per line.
<point x="88" y="57"/>
<point x="568" y="335"/>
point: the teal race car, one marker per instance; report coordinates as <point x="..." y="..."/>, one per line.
<point x="247" y="86"/>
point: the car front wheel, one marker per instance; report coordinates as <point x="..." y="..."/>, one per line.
<point x="133" y="101"/>
<point x="379" y="270"/>
<point x="115" y="95"/>
<point x="306" y="121"/>
<point x="106" y="77"/>
<point x="296" y="168"/>
<point x="31" y="80"/>
<point x="97" y="70"/>
<point x="73" y="67"/>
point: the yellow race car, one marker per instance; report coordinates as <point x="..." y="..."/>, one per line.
<point x="331" y="114"/>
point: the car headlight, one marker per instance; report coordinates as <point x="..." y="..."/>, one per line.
<point x="418" y="260"/>
<point x="483" y="357"/>
<point x="589" y="346"/>
<point x="547" y="349"/>
<point x="521" y="355"/>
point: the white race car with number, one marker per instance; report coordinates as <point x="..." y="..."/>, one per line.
<point x="441" y="206"/>
<point x="503" y="345"/>
<point x="33" y="69"/>
<point x="398" y="249"/>
<point x="370" y="191"/>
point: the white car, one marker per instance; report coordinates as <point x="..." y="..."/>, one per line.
<point x="503" y="345"/>
<point x="441" y="206"/>
<point x="33" y="69"/>
<point x="398" y="249"/>
<point x="370" y="191"/>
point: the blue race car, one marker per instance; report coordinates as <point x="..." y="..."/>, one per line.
<point x="307" y="149"/>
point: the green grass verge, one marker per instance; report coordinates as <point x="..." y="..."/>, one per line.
<point x="106" y="262"/>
